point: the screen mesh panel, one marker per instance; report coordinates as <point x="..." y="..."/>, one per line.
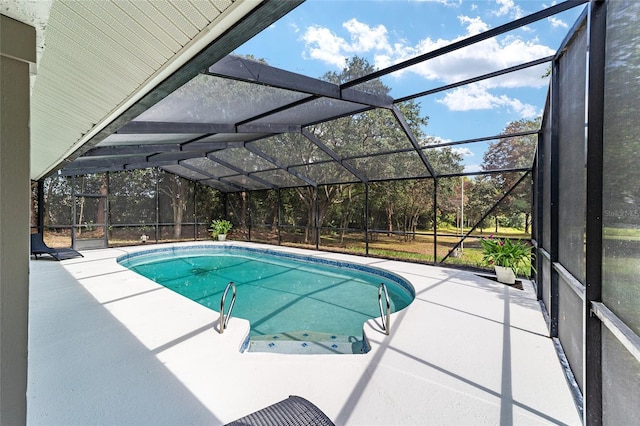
<point x="390" y="166"/>
<point x="368" y="132"/>
<point x="211" y="99"/>
<point x="132" y="197"/>
<point x="185" y="172"/>
<point x="570" y="330"/>
<point x="263" y="207"/>
<point x="620" y="381"/>
<point x="291" y="149"/>
<point x="220" y="186"/>
<point x="546" y="284"/>
<point x="118" y="139"/>
<point x="280" y="178"/>
<point x="572" y="172"/>
<point x="621" y="194"/>
<point x="245" y="182"/>
<point x="209" y="204"/>
<point x="57" y="198"/>
<point x="310" y="112"/>
<point x="209" y="167"/>
<point x="326" y="173"/>
<point x="243" y="159"/>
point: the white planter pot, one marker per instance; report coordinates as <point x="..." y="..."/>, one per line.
<point x="222" y="237"/>
<point x="505" y="275"/>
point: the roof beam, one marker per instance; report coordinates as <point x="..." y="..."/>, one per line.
<point x="545" y="13"/>
<point x="117" y="150"/>
<point x="333" y="155"/>
<point x="160" y="127"/>
<point x="407" y="131"/>
<point x="251" y="71"/>
<point x="476" y="79"/>
<point x="241" y="172"/>
<point x="210" y="175"/>
<point x="261" y="153"/>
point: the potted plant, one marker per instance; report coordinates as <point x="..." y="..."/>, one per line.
<point x="219" y="229"/>
<point x="506" y="257"/>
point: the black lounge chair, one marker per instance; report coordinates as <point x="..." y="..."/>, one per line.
<point x="293" y="411"/>
<point x="38" y="247"/>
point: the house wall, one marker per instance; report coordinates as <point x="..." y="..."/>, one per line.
<point x="17" y="50"/>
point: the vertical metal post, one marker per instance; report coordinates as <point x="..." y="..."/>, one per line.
<point x="538" y="192"/>
<point x="195" y="212"/>
<point x="73" y="211"/>
<point x="366" y="218"/>
<point x="435" y="220"/>
<point x="248" y="215"/>
<point x="279" y="216"/>
<point x="157" y="175"/>
<point x="592" y="365"/>
<point x="554" y="216"/>
<point x="317" y="221"/>
<point x="106" y="212"/>
<point x="462" y="213"/>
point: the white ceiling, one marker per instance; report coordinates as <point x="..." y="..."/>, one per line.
<point x="98" y="57"/>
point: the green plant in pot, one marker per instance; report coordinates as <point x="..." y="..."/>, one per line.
<point x="220" y="228"/>
<point x="506" y="256"/>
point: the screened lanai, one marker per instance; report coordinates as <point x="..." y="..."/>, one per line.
<point x="264" y="137"/>
<point x="344" y="163"/>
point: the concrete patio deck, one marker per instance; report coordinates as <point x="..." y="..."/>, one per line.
<point x="109" y="347"/>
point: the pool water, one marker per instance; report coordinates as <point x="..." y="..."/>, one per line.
<point x="285" y="300"/>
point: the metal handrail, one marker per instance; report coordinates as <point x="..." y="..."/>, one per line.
<point x="386" y="317"/>
<point x="224" y="320"/>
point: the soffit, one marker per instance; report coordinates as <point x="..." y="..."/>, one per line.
<point x="100" y="57"/>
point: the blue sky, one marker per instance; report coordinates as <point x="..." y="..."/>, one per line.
<point x="319" y="35"/>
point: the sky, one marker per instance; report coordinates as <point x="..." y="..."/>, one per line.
<point x="319" y="35"/>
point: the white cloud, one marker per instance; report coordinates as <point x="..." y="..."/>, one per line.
<point x="490" y="55"/>
<point x="365" y="38"/>
<point x="508" y="7"/>
<point x="557" y="22"/>
<point x="431" y="139"/>
<point x="451" y="3"/>
<point x="477" y="97"/>
<point x="474" y="25"/>
<point x="325" y="46"/>
<point x="463" y="152"/>
<point x="472" y="168"/>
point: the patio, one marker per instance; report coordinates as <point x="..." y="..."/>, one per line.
<point x="108" y="346"/>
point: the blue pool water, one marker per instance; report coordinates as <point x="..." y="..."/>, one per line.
<point x="285" y="297"/>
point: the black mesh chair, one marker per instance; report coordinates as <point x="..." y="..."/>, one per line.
<point x="293" y="411"/>
<point x="38" y="248"/>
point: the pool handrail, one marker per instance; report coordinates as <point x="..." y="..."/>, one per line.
<point x="224" y="320"/>
<point x="386" y="315"/>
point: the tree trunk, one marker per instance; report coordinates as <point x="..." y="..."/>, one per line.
<point x="243" y="211"/>
<point x="496" y="218"/>
<point x="526" y="223"/>
<point x="34" y="202"/>
<point x="101" y="218"/>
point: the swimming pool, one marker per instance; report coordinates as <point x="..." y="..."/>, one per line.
<point x="295" y="303"/>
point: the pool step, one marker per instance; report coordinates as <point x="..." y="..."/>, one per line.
<point x="307" y="342"/>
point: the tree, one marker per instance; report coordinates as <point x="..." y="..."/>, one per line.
<point x="509" y="153"/>
<point x="175" y="189"/>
